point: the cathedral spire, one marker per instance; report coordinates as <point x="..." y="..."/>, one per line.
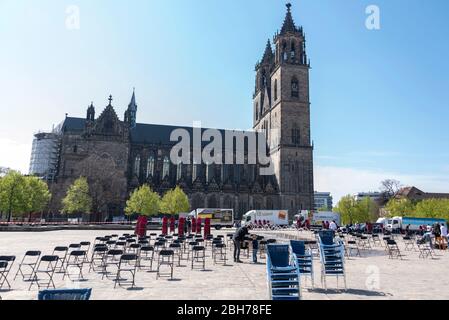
<point x="268" y="54"/>
<point x="131" y="112"/>
<point x="289" y="24"/>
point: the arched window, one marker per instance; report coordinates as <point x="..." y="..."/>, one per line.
<point x="166" y="167"/>
<point x="137" y="166"/>
<point x="150" y="166"/>
<point x="284" y="51"/>
<point x="275" y="89"/>
<point x="293" y="50"/>
<point x="295" y="88"/>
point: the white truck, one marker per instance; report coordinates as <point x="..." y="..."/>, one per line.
<point x="401" y="223"/>
<point x="271" y="217"/>
<point x="319" y="217"/>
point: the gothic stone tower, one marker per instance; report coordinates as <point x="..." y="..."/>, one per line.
<point x="282" y="111"/>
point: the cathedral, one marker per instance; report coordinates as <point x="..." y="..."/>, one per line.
<point x="118" y="156"/>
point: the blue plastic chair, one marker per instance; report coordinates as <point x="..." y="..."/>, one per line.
<point x="304" y="259"/>
<point x="65" y="294"/>
<point x="283" y="273"/>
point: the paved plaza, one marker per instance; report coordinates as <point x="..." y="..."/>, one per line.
<point x="372" y="276"/>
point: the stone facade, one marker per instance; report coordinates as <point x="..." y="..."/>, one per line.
<point x="136" y="154"/>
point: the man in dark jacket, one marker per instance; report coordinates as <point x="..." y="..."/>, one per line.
<point x="238" y="237"/>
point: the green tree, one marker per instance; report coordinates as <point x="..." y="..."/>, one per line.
<point x="366" y="210"/>
<point x="37" y="194"/>
<point x="13" y="195"/>
<point x="143" y="201"/>
<point x="347" y="207"/>
<point x="433" y="208"/>
<point x="175" y="201"/>
<point x="77" y="199"/>
<point x="400" y="208"/>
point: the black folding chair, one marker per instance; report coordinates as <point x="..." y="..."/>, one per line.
<point x="76" y="260"/>
<point x="409" y="243"/>
<point x="128" y="264"/>
<point x="61" y="252"/>
<point x="176" y="247"/>
<point x="219" y="253"/>
<point x="112" y="258"/>
<point x="85" y="246"/>
<point x="393" y="250"/>
<point x="199" y="256"/>
<point x="166" y="258"/>
<point x="97" y="258"/>
<point x="146" y="254"/>
<point x="6" y="263"/>
<point x="46" y="267"/>
<point x="134" y="248"/>
<point x="29" y="261"/>
<point x="352" y="246"/>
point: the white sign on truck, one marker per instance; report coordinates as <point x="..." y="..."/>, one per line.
<point x="320" y="217"/>
<point x="272" y="217"/>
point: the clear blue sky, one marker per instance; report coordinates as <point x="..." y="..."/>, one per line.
<point x="380" y="99"/>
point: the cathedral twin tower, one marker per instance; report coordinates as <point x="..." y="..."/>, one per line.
<point x="127" y="154"/>
<point x="282" y="110"/>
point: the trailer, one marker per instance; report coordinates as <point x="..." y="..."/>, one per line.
<point x="219" y="218"/>
<point x="401" y="223"/>
<point x="270" y="217"/>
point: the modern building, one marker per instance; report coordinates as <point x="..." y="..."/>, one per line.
<point x="45" y="155"/>
<point x="323" y="200"/>
<point x="117" y="156"/>
<point x="375" y="196"/>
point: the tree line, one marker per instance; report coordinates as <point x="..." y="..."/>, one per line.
<point x="22" y="196"/>
<point x="142" y="201"/>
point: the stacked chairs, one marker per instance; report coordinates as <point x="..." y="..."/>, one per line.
<point x="46" y="267"/>
<point x="65" y="294"/>
<point x="76" y="259"/>
<point x="6" y="263"/>
<point x="304" y="259"/>
<point x="332" y="259"/>
<point x="393" y="249"/>
<point x="97" y="258"/>
<point x="128" y="264"/>
<point x="199" y="256"/>
<point x="284" y="282"/>
<point x="166" y="258"/>
<point x="29" y="261"/>
<point x="61" y="252"/>
<point x="146" y="254"/>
